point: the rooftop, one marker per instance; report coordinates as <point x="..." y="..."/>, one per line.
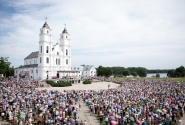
<point x="32" y="55"/>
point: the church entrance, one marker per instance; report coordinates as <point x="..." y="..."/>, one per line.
<point x="57" y="75"/>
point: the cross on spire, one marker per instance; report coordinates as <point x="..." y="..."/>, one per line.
<point x="65" y="26"/>
<point x="46" y="19"/>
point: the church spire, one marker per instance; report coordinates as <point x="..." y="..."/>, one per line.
<point x="45" y="24"/>
<point x="65" y="31"/>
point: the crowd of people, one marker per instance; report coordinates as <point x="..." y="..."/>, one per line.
<point x="22" y="104"/>
<point x="139" y="102"/>
<point x="136" y="102"/>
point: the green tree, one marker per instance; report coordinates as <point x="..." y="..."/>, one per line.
<point x="108" y="72"/>
<point x="126" y="73"/>
<point x="117" y="70"/>
<point x="100" y="71"/>
<point x="10" y="72"/>
<point x="180" y="71"/>
<point x="158" y="75"/>
<point x="171" y="73"/>
<point x="142" y="72"/>
<point x="134" y="74"/>
<point x="4" y="65"/>
<point x="104" y="71"/>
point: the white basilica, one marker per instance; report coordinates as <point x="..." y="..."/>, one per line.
<point x="51" y="60"/>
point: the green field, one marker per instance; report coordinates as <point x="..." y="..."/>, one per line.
<point x="160" y="79"/>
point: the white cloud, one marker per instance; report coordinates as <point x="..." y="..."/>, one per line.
<point x="109" y="33"/>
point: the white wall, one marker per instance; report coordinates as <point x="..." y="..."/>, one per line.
<point x="33" y="61"/>
<point x="32" y="72"/>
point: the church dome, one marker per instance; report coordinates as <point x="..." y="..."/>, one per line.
<point x="64" y="31"/>
<point x="46" y="25"/>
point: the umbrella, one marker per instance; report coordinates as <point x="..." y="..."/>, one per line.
<point x="139" y="122"/>
<point x="113" y="110"/>
<point x="113" y="122"/>
<point x="116" y="116"/>
<point x="88" y="103"/>
<point x="112" y="118"/>
<point x="118" y="106"/>
<point x="158" y="110"/>
<point x="155" y="115"/>
<point x="132" y="119"/>
<point x="63" y="99"/>
<point x="164" y="110"/>
<point x="69" y="108"/>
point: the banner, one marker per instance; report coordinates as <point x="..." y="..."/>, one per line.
<point x="24" y="74"/>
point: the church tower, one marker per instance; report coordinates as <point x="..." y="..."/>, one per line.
<point x="66" y="48"/>
<point x="45" y="52"/>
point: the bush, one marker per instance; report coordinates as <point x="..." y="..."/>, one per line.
<point x="87" y="82"/>
<point x="58" y="84"/>
<point x="158" y="75"/>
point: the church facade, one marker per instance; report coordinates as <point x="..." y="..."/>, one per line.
<point x="51" y="60"/>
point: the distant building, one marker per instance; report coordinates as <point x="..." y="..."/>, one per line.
<point x="51" y="60"/>
<point x="85" y="71"/>
<point x="88" y="71"/>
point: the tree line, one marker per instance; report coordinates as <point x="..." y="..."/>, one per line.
<point x="5" y="68"/>
<point x="138" y="71"/>
<point x="121" y="71"/>
<point x="178" y="72"/>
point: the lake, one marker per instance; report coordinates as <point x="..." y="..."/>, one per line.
<point x="162" y="75"/>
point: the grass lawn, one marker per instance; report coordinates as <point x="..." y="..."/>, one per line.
<point x="178" y="79"/>
<point x="160" y="79"/>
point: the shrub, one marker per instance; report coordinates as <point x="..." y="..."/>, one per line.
<point x="157" y="75"/>
<point x="87" y="82"/>
<point x="58" y="84"/>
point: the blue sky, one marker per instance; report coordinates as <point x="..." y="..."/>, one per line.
<point x="124" y="33"/>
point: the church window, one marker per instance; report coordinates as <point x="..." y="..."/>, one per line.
<point x="36" y="70"/>
<point x="66" y="52"/>
<point x="41" y="31"/>
<point x="47" y="32"/>
<point x="34" y="61"/>
<point x="47" y="60"/>
<point x="57" y="53"/>
<point x="66" y="36"/>
<point x="31" y="71"/>
<point x="40" y="60"/>
<point x="66" y="61"/>
<point x="56" y="61"/>
<point x="47" y="49"/>
<point x="40" y="49"/>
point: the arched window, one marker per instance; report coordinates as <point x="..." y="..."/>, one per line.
<point x="66" y="36"/>
<point x="47" y="32"/>
<point x="56" y="61"/>
<point x="47" y="60"/>
<point x="47" y="49"/>
<point x="36" y="70"/>
<point x="40" y="49"/>
<point x="57" y="53"/>
<point x="40" y="59"/>
<point x="66" y="61"/>
<point x="66" y="52"/>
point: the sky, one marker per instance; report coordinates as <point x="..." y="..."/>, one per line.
<point x="135" y="33"/>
